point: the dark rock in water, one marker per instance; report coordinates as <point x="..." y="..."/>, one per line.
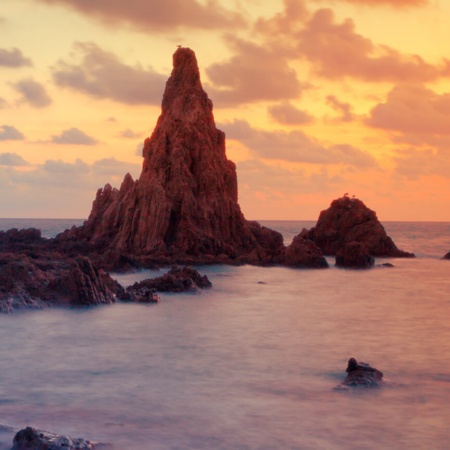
<point x="177" y="279"/>
<point x="354" y="256"/>
<point x="387" y="265"/>
<point x="49" y="279"/>
<point x="349" y="220"/>
<point x="360" y="374"/>
<point x="446" y="256"/>
<point x="303" y="253"/>
<point x="184" y="207"/>
<point x="34" y="439"/>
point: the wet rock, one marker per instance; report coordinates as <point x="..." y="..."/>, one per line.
<point x="354" y="256"/>
<point x="361" y="375"/>
<point x="177" y="279"/>
<point x="350" y="220"/>
<point x="48" y="279"/>
<point x="303" y="253"/>
<point x="34" y="439"/>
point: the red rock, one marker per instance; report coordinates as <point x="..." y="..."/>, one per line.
<point x="49" y="279"/>
<point x="184" y="206"/>
<point x="361" y="375"/>
<point x="350" y="220"/>
<point x="354" y="256"/>
<point x="178" y="279"/>
<point x="34" y="439"/>
<point x="303" y="253"/>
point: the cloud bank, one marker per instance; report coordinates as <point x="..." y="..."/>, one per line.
<point x="102" y="75"/>
<point x="156" y="15"/>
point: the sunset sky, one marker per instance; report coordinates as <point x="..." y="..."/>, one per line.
<point x="317" y="99"/>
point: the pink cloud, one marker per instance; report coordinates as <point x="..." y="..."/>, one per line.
<point x="395" y="3"/>
<point x="413" y="110"/>
<point x="287" y="114"/>
<point x="101" y="74"/>
<point x="253" y="73"/>
<point x="296" y="146"/>
<point x="156" y="15"/>
<point x="337" y="50"/>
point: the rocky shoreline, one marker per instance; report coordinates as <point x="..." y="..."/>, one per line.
<point x="182" y="210"/>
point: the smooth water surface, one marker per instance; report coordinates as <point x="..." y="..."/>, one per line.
<point x="249" y="364"/>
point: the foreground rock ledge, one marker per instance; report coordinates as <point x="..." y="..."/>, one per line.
<point x="33" y="439"/>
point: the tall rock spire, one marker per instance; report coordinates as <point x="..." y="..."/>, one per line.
<point x="184" y="206"/>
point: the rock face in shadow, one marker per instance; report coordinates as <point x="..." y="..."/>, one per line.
<point x="446" y="256"/>
<point x="36" y="281"/>
<point x="184" y="206"/>
<point x="303" y="253"/>
<point x="361" y="375"/>
<point x="354" y="256"/>
<point x="349" y="220"/>
<point x="34" y="439"/>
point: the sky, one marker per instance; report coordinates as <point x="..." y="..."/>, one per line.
<point x="317" y="99"/>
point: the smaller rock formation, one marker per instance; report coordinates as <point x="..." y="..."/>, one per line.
<point x="350" y="220"/>
<point x="354" y="256"/>
<point x="303" y="253"/>
<point x="446" y="256"/>
<point x="361" y="375"/>
<point x="36" y="281"/>
<point x="177" y="279"/>
<point x="33" y="439"/>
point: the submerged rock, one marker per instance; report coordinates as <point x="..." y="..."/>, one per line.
<point x="360" y="374"/>
<point x="33" y="439"/>
<point x="349" y="220"/>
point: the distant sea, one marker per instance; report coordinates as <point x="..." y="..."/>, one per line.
<point x="249" y="364"/>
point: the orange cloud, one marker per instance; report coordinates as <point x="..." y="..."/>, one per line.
<point x="296" y="146"/>
<point x="413" y="109"/>
<point x="413" y="163"/>
<point x="337" y="51"/>
<point x="344" y="109"/>
<point x="396" y="3"/>
<point x="151" y="16"/>
<point x="254" y="73"/>
<point x="287" y="114"/>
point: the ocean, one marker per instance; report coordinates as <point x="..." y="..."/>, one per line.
<point x="248" y="364"/>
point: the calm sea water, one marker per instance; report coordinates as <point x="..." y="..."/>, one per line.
<point x="245" y="365"/>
